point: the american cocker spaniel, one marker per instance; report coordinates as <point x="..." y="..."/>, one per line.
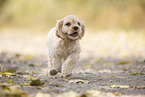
<point x="63" y="45"/>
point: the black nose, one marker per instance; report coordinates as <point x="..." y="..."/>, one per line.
<point x="75" y="28"/>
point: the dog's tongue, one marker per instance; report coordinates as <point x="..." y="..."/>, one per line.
<point x="74" y="34"/>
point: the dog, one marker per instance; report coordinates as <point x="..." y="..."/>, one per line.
<point x="63" y="45"/>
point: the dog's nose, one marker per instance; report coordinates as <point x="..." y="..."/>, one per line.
<point x="75" y="28"/>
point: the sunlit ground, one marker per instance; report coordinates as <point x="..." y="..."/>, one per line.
<point x="99" y="44"/>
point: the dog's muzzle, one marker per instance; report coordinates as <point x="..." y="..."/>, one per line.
<point x="75" y="34"/>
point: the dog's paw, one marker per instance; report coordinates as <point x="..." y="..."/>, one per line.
<point x="53" y="72"/>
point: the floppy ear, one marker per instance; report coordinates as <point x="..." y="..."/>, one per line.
<point x="83" y="31"/>
<point x="59" y="25"/>
<point x="58" y="29"/>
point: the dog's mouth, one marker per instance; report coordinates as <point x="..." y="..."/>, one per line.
<point x="75" y="34"/>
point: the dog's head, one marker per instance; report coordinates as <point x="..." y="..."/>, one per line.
<point x="70" y="28"/>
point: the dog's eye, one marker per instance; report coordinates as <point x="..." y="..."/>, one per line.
<point x="79" y="23"/>
<point x="68" y="24"/>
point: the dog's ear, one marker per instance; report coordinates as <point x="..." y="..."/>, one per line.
<point x="59" y="25"/>
<point x="83" y="30"/>
<point x="58" y="29"/>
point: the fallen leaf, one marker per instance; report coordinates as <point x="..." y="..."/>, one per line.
<point x="120" y="86"/>
<point x="1" y="73"/>
<point x="30" y="78"/>
<point x="135" y="73"/>
<point x="40" y="94"/>
<point x="22" y="73"/>
<point x="12" y="91"/>
<point x="126" y="69"/>
<point x="30" y="57"/>
<point x="68" y="94"/>
<point x="31" y="65"/>
<point x="98" y="60"/>
<point x="22" y="59"/>
<point x="4" y="86"/>
<point x="78" y="81"/>
<point x="108" y="64"/>
<point x="138" y="87"/>
<point x="8" y="74"/>
<point x="116" y="94"/>
<point x="36" y="82"/>
<point x="96" y="93"/>
<point x="12" y="70"/>
<point x="122" y="63"/>
<point x="8" y="80"/>
<point x="87" y="64"/>
<point x="33" y="72"/>
<point x="105" y="70"/>
<point x="17" y="55"/>
<point x="56" y="85"/>
<point x="93" y="93"/>
<point x="83" y="95"/>
<point x="35" y="64"/>
<point x="16" y="91"/>
<point x="142" y="73"/>
<point x="130" y="61"/>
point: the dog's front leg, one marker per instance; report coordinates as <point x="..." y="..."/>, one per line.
<point x="69" y="64"/>
<point x="54" y="64"/>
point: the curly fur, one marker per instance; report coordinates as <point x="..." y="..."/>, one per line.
<point x="63" y="45"/>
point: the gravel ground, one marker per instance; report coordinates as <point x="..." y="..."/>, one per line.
<point x="98" y="78"/>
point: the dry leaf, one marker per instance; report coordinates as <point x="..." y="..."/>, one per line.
<point x="30" y="78"/>
<point x="30" y="57"/>
<point x="122" y="63"/>
<point x="87" y="64"/>
<point x="16" y="91"/>
<point x="68" y="94"/>
<point x="93" y="93"/>
<point x="138" y="87"/>
<point x="98" y="60"/>
<point x="108" y="64"/>
<point x="56" y="85"/>
<point x="120" y="86"/>
<point x="135" y="73"/>
<point x="126" y="69"/>
<point x="40" y="94"/>
<point x="130" y="61"/>
<point x="36" y="82"/>
<point x="96" y="93"/>
<point x="142" y="73"/>
<point x="8" y="74"/>
<point x="78" y="81"/>
<point x="35" y="64"/>
<point x="8" y="80"/>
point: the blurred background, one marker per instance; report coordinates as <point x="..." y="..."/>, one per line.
<point x="114" y="28"/>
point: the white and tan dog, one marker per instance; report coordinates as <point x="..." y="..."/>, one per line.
<point x="63" y="45"/>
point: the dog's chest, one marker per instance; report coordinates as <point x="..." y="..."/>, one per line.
<point x="65" y="48"/>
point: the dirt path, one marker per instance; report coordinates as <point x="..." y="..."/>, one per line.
<point x="26" y="75"/>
